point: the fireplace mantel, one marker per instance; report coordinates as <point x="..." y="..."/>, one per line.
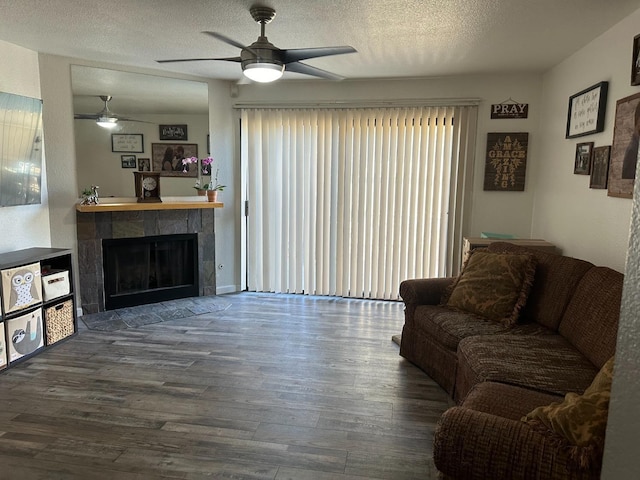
<point x="123" y="217"/>
<point x="129" y="206"/>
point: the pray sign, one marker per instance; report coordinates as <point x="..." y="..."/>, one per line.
<point x="509" y="110"/>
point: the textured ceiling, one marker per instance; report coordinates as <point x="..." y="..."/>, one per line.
<point x="393" y="38"/>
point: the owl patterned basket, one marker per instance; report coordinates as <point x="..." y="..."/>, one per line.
<point x="58" y="321"/>
<point x="21" y="287"/>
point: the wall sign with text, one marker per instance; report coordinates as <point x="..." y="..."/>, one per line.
<point x="509" y="110"/>
<point x="506" y="161"/>
<point x="586" y="111"/>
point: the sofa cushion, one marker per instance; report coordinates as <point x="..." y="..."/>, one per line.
<point x="556" y="279"/>
<point x="506" y="401"/>
<point x="448" y="327"/>
<point x="579" y="419"/>
<point x="493" y="285"/>
<point x="548" y="363"/>
<point x="591" y="320"/>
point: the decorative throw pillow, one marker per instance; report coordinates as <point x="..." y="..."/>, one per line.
<point x="493" y="285"/>
<point x="579" y="422"/>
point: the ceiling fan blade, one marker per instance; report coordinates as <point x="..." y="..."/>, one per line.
<point x="86" y="116"/>
<point x="297" y="54"/>
<point x="298" y="67"/>
<point x="125" y="119"/>
<point x="228" y="59"/>
<point x="225" y="39"/>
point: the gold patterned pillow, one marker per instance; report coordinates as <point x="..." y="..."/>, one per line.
<point x="494" y="285"/>
<point x="580" y="421"/>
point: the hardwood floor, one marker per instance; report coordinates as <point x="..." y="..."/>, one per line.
<point x="274" y="387"/>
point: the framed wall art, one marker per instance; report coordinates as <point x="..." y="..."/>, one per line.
<point x="128" y="161"/>
<point x="586" y="111"/>
<point x="582" y="162"/>
<point x="506" y="161"/>
<point x="166" y="158"/>
<point x="144" y="164"/>
<point x="635" y="61"/>
<point x="127" y="142"/>
<point x="624" y="150"/>
<point x="173" y="132"/>
<point x="600" y="167"/>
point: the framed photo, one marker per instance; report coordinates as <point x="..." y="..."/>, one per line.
<point x="128" y="161"/>
<point x="600" y="167"/>
<point x="624" y="150"/>
<point x="173" y="132"/>
<point x="506" y="161"/>
<point x="582" y="163"/>
<point x="127" y="142"/>
<point x="167" y="158"/>
<point x="586" y="111"/>
<point x="144" y="164"/>
<point x="635" y="61"/>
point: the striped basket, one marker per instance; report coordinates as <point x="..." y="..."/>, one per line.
<point x="59" y="321"/>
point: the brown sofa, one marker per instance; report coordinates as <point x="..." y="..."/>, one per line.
<point x="566" y="332"/>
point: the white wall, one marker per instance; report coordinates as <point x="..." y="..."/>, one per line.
<point x="585" y="222"/>
<point x="98" y="165"/>
<point x="24" y="226"/>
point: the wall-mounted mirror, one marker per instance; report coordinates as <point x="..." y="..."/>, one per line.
<point x="145" y="108"/>
<point x="20" y="149"/>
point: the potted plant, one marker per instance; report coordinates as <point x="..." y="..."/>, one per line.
<point x="214" y="187"/>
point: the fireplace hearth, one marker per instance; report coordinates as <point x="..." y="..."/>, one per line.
<point x="145" y="270"/>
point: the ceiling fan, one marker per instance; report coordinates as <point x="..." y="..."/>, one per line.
<point x="264" y="62"/>
<point x="105" y="117"/>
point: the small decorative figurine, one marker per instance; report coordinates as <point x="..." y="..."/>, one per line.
<point x="90" y="196"/>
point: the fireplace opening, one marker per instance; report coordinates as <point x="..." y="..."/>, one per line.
<point x="145" y="270"/>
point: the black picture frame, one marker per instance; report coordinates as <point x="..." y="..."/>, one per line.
<point x="600" y="167"/>
<point x="586" y="111"/>
<point x="166" y="159"/>
<point x="128" y="161"/>
<point x="127" y="143"/>
<point x="635" y="61"/>
<point x="173" y="132"/>
<point x="144" y="164"/>
<point x="582" y="161"/>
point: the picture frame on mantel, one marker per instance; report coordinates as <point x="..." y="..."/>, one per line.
<point x="586" y="111"/>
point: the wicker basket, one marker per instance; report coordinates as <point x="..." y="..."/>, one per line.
<point x="59" y="321"/>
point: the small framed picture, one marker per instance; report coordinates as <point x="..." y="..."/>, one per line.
<point x="144" y="164"/>
<point x="127" y="142"/>
<point x="586" y="111"/>
<point x="128" y="161"/>
<point x="635" y="61"/>
<point x="582" y="164"/>
<point x="173" y="132"/>
<point x="600" y="167"/>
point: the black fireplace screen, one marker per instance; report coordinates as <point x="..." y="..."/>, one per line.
<point x="149" y="269"/>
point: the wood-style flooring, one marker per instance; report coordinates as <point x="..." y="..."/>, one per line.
<point x="274" y="387"/>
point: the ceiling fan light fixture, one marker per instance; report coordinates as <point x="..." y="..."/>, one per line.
<point x="263" y="72"/>
<point x="107" y="122"/>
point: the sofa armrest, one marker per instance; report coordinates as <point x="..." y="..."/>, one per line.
<point x="475" y="445"/>
<point x="424" y="291"/>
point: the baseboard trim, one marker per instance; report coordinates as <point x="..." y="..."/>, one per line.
<point x="227" y="289"/>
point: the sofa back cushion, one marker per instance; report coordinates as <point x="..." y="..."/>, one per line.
<point x="591" y="321"/>
<point x="555" y="280"/>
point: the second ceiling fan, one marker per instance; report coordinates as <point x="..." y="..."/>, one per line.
<point x="264" y="62"/>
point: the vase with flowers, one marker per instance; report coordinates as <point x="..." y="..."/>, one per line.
<point x="202" y="187"/>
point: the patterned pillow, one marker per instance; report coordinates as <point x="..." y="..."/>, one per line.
<point x="493" y="285"/>
<point x="580" y="421"/>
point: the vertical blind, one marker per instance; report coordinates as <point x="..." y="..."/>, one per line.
<point x="350" y="202"/>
